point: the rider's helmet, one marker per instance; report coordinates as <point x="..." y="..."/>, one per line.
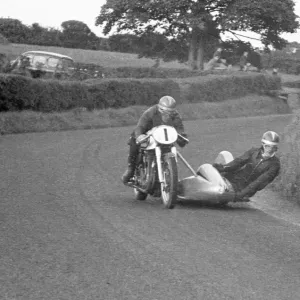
<point x="270" y="141"/>
<point x="167" y="104"/>
<point x="270" y="138"/>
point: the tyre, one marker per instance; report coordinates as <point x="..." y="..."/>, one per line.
<point x="140" y="195"/>
<point x="169" y="186"/>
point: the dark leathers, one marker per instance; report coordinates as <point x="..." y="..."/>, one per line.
<point x="151" y="118"/>
<point x="250" y="172"/>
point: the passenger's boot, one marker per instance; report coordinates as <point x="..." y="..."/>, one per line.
<point x="128" y="174"/>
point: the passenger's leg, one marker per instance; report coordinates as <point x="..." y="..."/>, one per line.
<point x="212" y="174"/>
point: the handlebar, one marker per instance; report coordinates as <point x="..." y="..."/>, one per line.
<point x="184" y="138"/>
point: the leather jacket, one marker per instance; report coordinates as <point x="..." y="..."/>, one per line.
<point x="251" y="172"/>
<point x="152" y="118"/>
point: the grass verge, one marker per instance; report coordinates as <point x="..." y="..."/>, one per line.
<point x="30" y="121"/>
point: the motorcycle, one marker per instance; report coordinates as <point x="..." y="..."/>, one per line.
<point x="156" y="170"/>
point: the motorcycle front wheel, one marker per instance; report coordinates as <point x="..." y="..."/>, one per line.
<point x="170" y="176"/>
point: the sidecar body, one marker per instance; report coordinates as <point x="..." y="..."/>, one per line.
<point x="200" y="189"/>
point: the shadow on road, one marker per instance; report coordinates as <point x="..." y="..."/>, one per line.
<point x="192" y="204"/>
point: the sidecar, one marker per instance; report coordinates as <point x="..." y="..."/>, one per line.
<point x="200" y="189"/>
<point x="197" y="187"/>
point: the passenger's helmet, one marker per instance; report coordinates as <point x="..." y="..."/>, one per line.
<point x="270" y="138"/>
<point x="167" y="104"/>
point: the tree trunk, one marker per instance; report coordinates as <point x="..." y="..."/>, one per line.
<point x="193" y="49"/>
<point x="200" y="52"/>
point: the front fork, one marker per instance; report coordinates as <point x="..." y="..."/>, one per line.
<point x="158" y="162"/>
<point x="158" y="154"/>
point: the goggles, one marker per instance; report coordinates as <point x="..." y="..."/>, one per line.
<point x="269" y="147"/>
<point x="164" y="111"/>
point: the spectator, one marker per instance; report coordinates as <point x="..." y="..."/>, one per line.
<point x="255" y="58"/>
<point x="21" y="67"/>
<point x="212" y="63"/>
<point x="244" y="64"/>
<point x="218" y="53"/>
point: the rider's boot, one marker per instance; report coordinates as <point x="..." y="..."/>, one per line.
<point x="128" y="174"/>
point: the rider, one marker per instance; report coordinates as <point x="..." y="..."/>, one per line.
<point x="248" y="173"/>
<point x="163" y="113"/>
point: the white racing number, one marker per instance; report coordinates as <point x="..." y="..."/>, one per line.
<point x="165" y="134"/>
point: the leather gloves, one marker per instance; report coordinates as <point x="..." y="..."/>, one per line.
<point x="181" y="142"/>
<point x="140" y="138"/>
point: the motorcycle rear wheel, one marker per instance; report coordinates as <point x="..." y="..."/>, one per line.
<point x="140" y="195"/>
<point x="169" y="186"/>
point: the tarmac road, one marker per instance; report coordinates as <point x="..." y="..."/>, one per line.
<point x="71" y="230"/>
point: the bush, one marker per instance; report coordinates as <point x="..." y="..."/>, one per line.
<point x="288" y="181"/>
<point x="133" y="72"/>
<point x="19" y="93"/>
<point x="285" y="63"/>
<point x="292" y="84"/>
<point x="218" y="88"/>
<point x="125" y="92"/>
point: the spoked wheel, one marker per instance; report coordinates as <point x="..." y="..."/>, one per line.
<point x="170" y="176"/>
<point x="140" y="195"/>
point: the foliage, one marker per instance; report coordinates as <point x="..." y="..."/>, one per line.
<point x="44" y="36"/>
<point x="233" y="49"/>
<point x="269" y="18"/>
<point x="80" y="118"/>
<point x="20" y="93"/>
<point x="214" y="88"/>
<point x="75" y="34"/>
<point x="14" y="30"/>
<point x="195" y="22"/>
<point x="125" y="43"/>
<point x="3" y="40"/>
<point x="287" y="182"/>
<point x="96" y="71"/>
<point x="284" y="62"/>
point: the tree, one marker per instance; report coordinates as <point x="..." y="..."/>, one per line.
<point x="76" y="34"/>
<point x="14" y="30"/>
<point x="123" y="43"/>
<point x="196" y="21"/>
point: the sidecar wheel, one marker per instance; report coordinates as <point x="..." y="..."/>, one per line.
<point x="140" y="195"/>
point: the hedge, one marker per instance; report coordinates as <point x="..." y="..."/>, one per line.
<point x="19" y="93"/>
<point x="92" y="70"/>
<point x="218" y="88"/>
<point x="288" y="65"/>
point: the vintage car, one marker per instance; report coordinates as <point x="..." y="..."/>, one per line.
<point x="43" y="64"/>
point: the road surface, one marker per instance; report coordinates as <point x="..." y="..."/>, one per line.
<point x="71" y="230"/>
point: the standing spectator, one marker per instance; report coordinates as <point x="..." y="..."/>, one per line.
<point x="218" y="53"/>
<point x="20" y="67"/>
<point x="244" y="64"/>
<point x="255" y="59"/>
<point x="212" y="63"/>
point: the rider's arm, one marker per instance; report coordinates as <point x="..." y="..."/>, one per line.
<point x="238" y="162"/>
<point x="262" y="181"/>
<point x="178" y="124"/>
<point x="144" y="123"/>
